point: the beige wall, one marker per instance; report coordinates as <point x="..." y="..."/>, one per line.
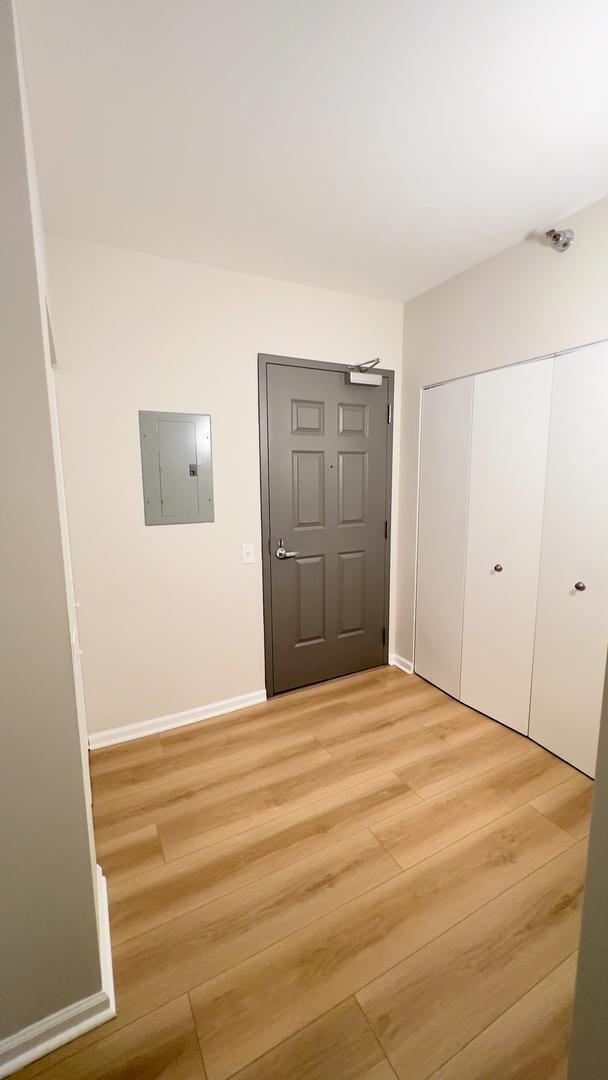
<point x="525" y="302"/>
<point x="48" y="940"/>
<point x="169" y="618"/>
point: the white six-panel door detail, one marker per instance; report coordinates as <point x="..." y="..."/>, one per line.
<point x="508" y="464"/>
<point x="572" y="626"/>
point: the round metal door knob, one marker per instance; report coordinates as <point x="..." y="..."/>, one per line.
<point x="580" y="586"/>
<point x="498" y="568"/>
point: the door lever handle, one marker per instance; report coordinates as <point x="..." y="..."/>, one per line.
<point x="280" y="553"/>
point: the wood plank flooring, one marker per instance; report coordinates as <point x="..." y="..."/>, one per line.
<point x="363" y="880"/>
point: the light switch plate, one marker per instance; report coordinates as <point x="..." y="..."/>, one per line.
<point x="247" y="553"/>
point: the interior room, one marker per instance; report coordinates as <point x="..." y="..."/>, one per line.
<point x="304" y="418"/>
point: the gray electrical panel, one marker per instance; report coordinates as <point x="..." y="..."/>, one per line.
<point x="176" y="467"/>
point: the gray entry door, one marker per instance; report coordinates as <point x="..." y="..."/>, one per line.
<point x="327" y="500"/>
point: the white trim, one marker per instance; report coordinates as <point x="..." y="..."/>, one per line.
<point x="105" y="941"/>
<point x="111" y="736"/>
<point x="61" y="1027"/>
<point x="518" y="363"/>
<point x="401" y="663"/>
<point x="417" y="540"/>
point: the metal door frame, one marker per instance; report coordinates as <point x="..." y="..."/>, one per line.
<point x="264" y="361"/>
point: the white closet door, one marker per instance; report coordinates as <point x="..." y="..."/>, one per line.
<point x="508" y="464"/>
<point x="442" y="525"/>
<point x="572" y="625"/>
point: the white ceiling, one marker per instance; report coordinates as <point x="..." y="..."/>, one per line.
<point x="376" y="146"/>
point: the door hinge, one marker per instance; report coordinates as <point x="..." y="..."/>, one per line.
<point x="384" y="635"/>
<point x="386" y="530"/>
<point x="389" y="413"/>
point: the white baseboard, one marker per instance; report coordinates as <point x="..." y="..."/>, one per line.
<point x="105" y="941"/>
<point x="97" y="739"/>
<point x="61" y="1027"/>
<point x="401" y="663"/>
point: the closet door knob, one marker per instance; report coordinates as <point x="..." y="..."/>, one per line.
<point x="498" y="569"/>
<point x="580" y="586"/>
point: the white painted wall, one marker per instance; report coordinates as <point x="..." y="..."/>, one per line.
<point x="169" y="618"/>
<point x="525" y="302"/>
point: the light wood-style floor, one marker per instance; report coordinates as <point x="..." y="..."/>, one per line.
<point x="358" y="881"/>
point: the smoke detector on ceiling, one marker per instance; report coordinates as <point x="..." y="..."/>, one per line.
<point x="560" y="239"/>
